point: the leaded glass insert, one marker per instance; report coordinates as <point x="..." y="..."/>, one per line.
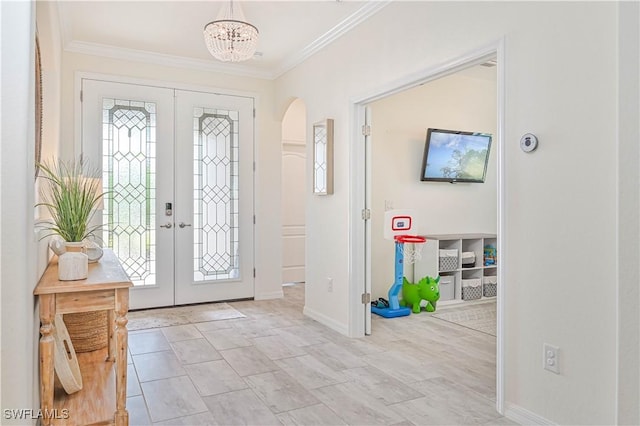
<point x="320" y="159"/>
<point x="216" y="194"/>
<point x="129" y="138"/>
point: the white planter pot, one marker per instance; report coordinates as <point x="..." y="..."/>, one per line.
<point x="73" y="263"/>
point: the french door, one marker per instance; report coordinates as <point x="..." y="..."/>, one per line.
<point x="177" y="168"/>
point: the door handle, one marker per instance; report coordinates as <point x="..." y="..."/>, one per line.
<point x="168" y="225"/>
<point x="182" y="224"/>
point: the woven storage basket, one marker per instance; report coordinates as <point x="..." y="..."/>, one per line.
<point x="471" y="289"/>
<point x="88" y="330"/>
<point x="489" y="286"/>
<point x="448" y="260"/>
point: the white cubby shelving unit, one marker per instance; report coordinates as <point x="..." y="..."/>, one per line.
<point x="429" y="265"/>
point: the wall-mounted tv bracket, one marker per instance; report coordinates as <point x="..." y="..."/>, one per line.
<point x="528" y="142"/>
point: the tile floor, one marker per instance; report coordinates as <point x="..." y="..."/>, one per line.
<point x="278" y="367"/>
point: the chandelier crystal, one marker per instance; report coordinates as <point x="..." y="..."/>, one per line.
<point x="230" y="38"/>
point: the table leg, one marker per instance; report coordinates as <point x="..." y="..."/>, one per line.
<point x="47" y="348"/>
<point x="111" y="321"/>
<point x="122" y="307"/>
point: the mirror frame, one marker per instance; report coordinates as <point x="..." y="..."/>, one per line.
<point x="38" y="106"/>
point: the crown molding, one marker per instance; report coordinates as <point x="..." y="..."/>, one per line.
<point x="95" y="49"/>
<point x="127" y="54"/>
<point x="65" y="28"/>
<point x="346" y="25"/>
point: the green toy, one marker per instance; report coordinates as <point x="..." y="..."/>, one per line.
<point x="426" y="289"/>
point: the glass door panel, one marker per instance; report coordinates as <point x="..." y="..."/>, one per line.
<point x="128" y="132"/>
<point x="214" y="194"/>
<point x="128" y="179"/>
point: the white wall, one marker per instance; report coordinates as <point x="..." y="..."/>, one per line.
<point x="18" y="275"/>
<point x="561" y="83"/>
<point x="20" y="378"/>
<point x="294" y="188"/>
<point x="629" y="224"/>
<point x="398" y="131"/>
<point x="268" y="145"/>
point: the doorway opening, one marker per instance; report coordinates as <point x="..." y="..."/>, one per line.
<point x="457" y="214"/>
<point x="362" y="231"/>
<point x="294" y="192"/>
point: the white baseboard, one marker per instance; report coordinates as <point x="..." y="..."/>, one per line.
<point x="524" y="416"/>
<point x="325" y="320"/>
<point x="270" y="295"/>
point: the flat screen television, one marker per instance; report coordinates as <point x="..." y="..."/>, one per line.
<point x="455" y="156"/>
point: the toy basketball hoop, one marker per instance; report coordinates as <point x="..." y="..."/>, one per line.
<point x="412" y="253"/>
<point x="413" y="239"/>
<point x="402" y="226"/>
<point x="399" y="227"/>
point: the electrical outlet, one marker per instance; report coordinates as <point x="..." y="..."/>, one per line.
<point x="330" y="284"/>
<point x="550" y="358"/>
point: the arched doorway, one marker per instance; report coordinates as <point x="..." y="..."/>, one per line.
<point x="293" y="192"/>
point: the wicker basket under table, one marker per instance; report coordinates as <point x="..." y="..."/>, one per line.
<point x="89" y="331"/>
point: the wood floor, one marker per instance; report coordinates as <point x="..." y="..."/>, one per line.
<point x="278" y="367"/>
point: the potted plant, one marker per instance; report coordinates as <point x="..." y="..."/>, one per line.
<point x="71" y="192"/>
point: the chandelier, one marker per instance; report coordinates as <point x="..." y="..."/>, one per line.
<point x="229" y="38"/>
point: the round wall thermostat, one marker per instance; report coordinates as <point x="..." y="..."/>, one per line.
<point x="528" y="142"/>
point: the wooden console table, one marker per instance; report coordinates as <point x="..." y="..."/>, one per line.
<point x="106" y="288"/>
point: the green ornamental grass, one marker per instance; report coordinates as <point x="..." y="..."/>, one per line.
<point x="71" y="193"/>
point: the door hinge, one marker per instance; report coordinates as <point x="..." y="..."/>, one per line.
<point x="366" y="298"/>
<point x="366" y="130"/>
<point x="254" y="166"/>
<point x="254" y="272"/>
<point x="81" y="98"/>
<point x="254" y="113"/>
<point x="366" y="214"/>
<point x="254" y="219"/>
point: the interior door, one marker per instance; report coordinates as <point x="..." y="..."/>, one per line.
<point x="214" y="211"/>
<point x="293" y="212"/>
<point x="128" y="133"/>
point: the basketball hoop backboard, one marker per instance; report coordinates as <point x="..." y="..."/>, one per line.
<point x="399" y="222"/>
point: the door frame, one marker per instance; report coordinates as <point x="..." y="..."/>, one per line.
<point x="167" y="84"/>
<point x="360" y="192"/>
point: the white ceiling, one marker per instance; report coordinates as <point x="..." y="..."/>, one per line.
<point x="171" y="31"/>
